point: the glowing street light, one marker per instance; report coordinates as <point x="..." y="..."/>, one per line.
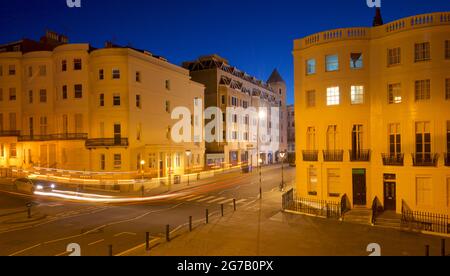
<point x="142" y="163"/>
<point x="188" y="155"/>
<point x="282" y="156"/>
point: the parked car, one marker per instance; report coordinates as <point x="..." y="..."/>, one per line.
<point x="29" y="186"/>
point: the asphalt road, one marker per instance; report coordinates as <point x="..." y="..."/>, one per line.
<point x="95" y="227"/>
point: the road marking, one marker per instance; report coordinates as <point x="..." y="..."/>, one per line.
<point x="125" y="233"/>
<point x="135" y="248"/>
<point x="195" y="198"/>
<point x="26" y="249"/>
<point x="206" y="198"/>
<point x="225" y="201"/>
<point x="217" y="199"/>
<point x="62" y="254"/>
<point x="186" y="197"/>
<point x="96" y="242"/>
<point x="239" y="201"/>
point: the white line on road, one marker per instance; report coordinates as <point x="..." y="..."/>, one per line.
<point x="125" y="233"/>
<point x="225" y="201"/>
<point x="195" y="198"/>
<point x="96" y="242"/>
<point x="186" y="197"/>
<point x="239" y="201"/>
<point x="206" y="198"/>
<point x="217" y="199"/>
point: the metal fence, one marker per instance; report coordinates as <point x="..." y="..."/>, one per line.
<point x="320" y="208"/>
<point x="423" y="221"/>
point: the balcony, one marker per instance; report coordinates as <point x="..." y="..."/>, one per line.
<point x="54" y="137"/>
<point x="425" y="159"/>
<point x="310" y="155"/>
<point x="447" y="159"/>
<point x="359" y="155"/>
<point x="9" y="133"/>
<point x="333" y="155"/>
<point x="107" y="143"/>
<point x="392" y="159"/>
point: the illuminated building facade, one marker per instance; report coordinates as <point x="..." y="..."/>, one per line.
<point x="227" y="86"/>
<point x="372" y="113"/>
<point x="74" y="107"/>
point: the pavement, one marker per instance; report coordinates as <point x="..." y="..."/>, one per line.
<point x="261" y="229"/>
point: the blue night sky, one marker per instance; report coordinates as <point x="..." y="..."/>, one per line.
<point x="254" y="35"/>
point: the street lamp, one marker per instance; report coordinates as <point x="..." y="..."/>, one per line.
<point x="282" y="156"/>
<point x="142" y="163"/>
<point x="261" y="116"/>
<point x="188" y="155"/>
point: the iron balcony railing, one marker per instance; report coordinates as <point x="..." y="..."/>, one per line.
<point x="321" y="208"/>
<point x="333" y="155"/>
<point x="311" y="155"/>
<point x="54" y="137"/>
<point x="359" y="155"/>
<point x="107" y="143"/>
<point x="447" y="159"/>
<point x="425" y="159"/>
<point x="393" y="159"/>
<point x="9" y="133"/>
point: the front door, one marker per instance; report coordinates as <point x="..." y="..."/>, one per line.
<point x="359" y="187"/>
<point x="390" y="193"/>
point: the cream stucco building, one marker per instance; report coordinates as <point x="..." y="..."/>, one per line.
<point x="372" y="113"/>
<point x="75" y="107"/>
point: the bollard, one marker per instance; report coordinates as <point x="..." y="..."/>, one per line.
<point x="29" y="212"/>
<point x="168" y="233"/>
<point x="190" y="224"/>
<point x="207" y="216"/>
<point x="110" y="249"/>
<point x="221" y="209"/>
<point x="443" y="247"/>
<point x="427" y="251"/>
<point x="147" y="241"/>
<point x="234" y="204"/>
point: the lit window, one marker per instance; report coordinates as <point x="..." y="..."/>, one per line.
<point x="357" y="94"/>
<point x="332" y="62"/>
<point x="394" y="93"/>
<point x="116" y="74"/>
<point x="422" y="90"/>
<point x="13" y="150"/>
<point x="78" y="91"/>
<point x="310" y="66"/>
<point x="333" y="96"/>
<point x="311" y="98"/>
<point x="117" y="161"/>
<point x="312" y="181"/>
<point x="333" y="179"/>
<point x="43" y="96"/>
<point x="356" y="60"/>
<point x="394" y="56"/>
<point x="422" y="51"/>
<point x="77" y="65"/>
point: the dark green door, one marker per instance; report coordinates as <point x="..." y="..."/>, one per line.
<point x="359" y="187"/>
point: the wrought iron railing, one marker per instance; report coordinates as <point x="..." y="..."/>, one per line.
<point x="310" y="155"/>
<point x="9" y="133"/>
<point x="425" y="159"/>
<point x="321" y="208"/>
<point x="333" y="155"/>
<point x="425" y="221"/>
<point x="54" y="137"/>
<point x="393" y="159"/>
<point x="359" y="155"/>
<point x="107" y="142"/>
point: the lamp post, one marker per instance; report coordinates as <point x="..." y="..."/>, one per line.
<point x="261" y="116"/>
<point x="188" y="155"/>
<point x="142" y="163"/>
<point x="282" y="156"/>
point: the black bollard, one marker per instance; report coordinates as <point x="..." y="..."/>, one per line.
<point x="234" y="204"/>
<point x="168" y="233"/>
<point x="190" y="224"/>
<point x="222" y="209"/>
<point x="207" y="216"/>
<point x="147" y="241"/>
<point x="427" y="251"/>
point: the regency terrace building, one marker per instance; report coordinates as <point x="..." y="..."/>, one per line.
<point x="372" y="113"/>
<point x="74" y="107"/>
